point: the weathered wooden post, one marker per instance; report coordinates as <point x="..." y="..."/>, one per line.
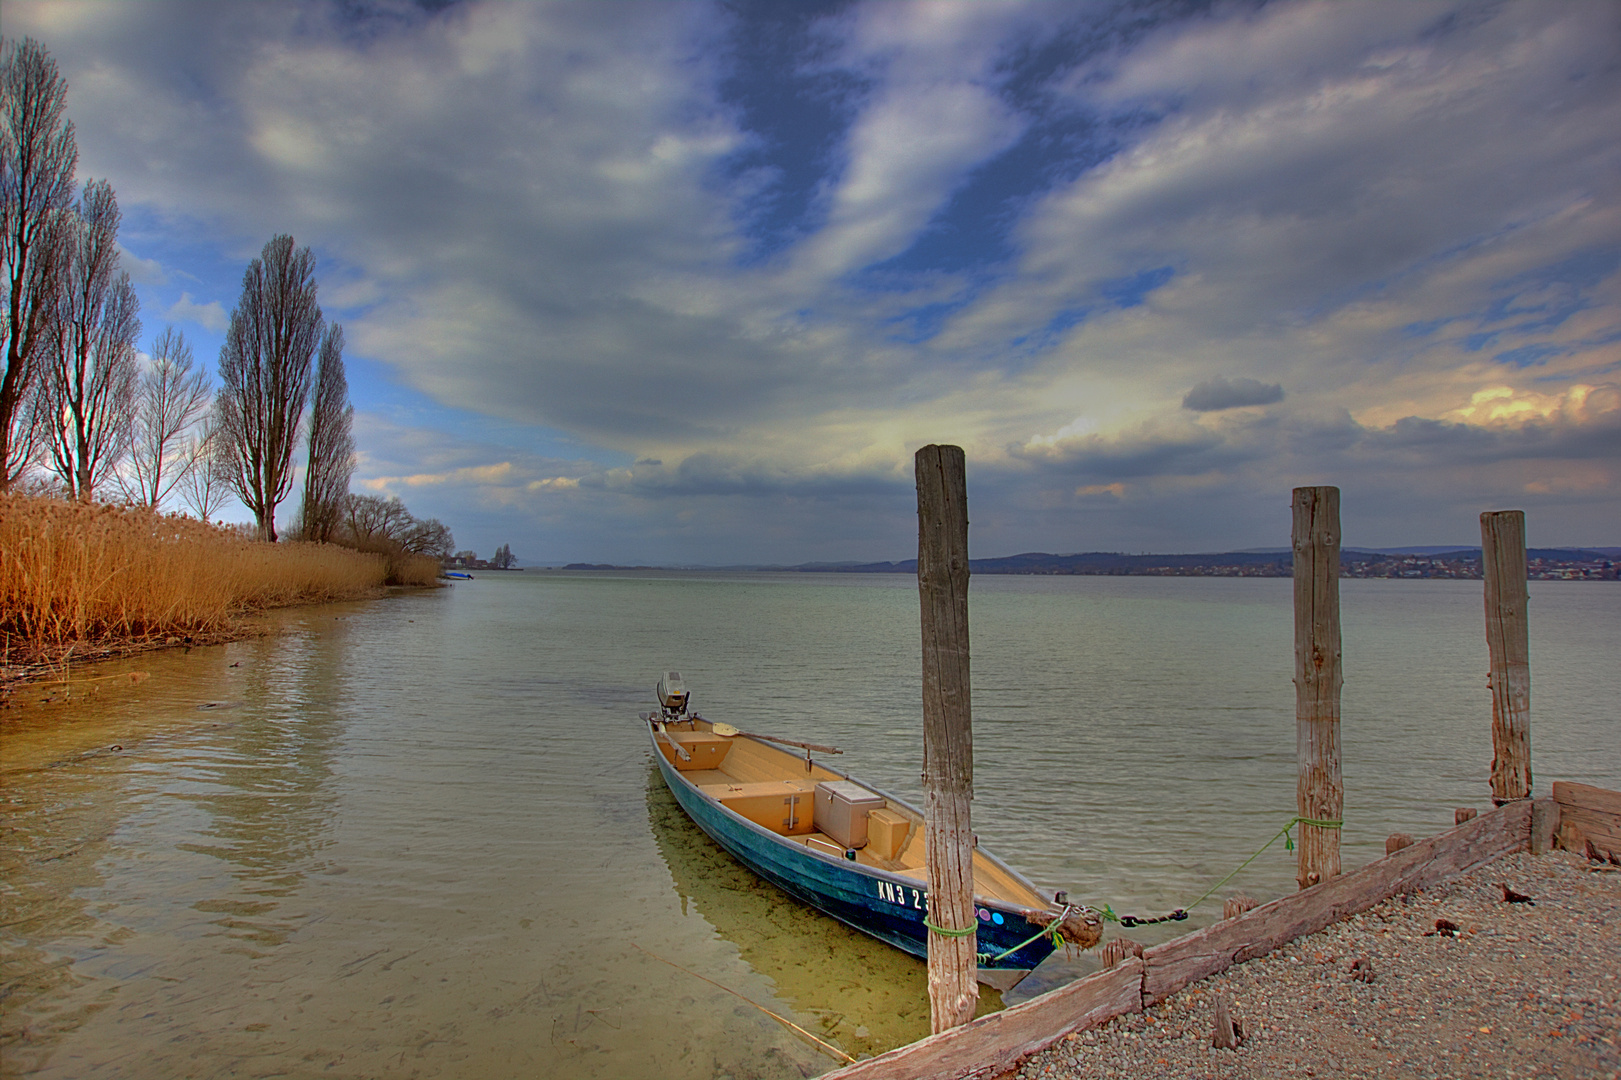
<point x="948" y="744"/>
<point x="1502" y="560"/>
<point x="1319" y="792"/>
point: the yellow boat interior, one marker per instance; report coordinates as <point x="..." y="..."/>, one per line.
<point x="808" y="804"/>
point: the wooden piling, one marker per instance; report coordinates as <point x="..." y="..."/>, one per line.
<point x="1502" y="559"/>
<point x="1319" y="792"/>
<point x="948" y="747"/>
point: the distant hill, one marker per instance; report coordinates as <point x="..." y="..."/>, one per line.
<point x="1275" y="563"/>
<point x="1410" y="562"/>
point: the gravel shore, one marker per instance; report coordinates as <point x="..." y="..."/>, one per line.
<point x="1523" y="989"/>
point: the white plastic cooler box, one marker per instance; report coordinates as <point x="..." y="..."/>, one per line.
<point x="841" y="811"/>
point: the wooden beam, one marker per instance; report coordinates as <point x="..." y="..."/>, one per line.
<point x="994" y="1044"/>
<point x="1319" y="791"/>
<point x="948" y="743"/>
<point x="1175" y="964"/>
<point x="1502" y="560"/>
<point x="1595" y="811"/>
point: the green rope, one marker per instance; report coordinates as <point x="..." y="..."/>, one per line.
<point x="1288" y="845"/>
<point x="1182" y="913"/>
<point x="950" y="933"/>
<point x="1108" y="913"/>
<point x="1050" y="928"/>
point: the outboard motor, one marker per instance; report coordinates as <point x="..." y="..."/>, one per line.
<point x="672" y="694"/>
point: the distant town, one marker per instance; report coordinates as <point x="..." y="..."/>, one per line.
<point x="1542" y="564"/>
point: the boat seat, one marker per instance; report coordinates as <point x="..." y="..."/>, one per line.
<point x="783" y="806"/>
<point x="705" y="779"/>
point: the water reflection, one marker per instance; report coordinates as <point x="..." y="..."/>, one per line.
<point x="854" y="991"/>
<point x="266" y="785"/>
<point x="55" y="834"/>
<point x="143" y="816"/>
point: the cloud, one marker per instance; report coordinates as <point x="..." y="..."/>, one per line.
<point x="1558" y="458"/>
<point x="210" y="316"/>
<point x="550" y="215"/>
<point x="1219" y="393"/>
<point x="141" y="271"/>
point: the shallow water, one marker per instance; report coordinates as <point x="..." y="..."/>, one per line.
<point x="422" y="836"/>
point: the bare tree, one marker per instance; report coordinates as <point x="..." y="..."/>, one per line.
<point x="370" y="521"/>
<point x="38" y="156"/>
<point x="265" y="376"/>
<point x="85" y="391"/>
<point x="428" y="536"/>
<point x="332" y="444"/>
<point x="204" y="487"/>
<point x="168" y="401"/>
<point x="373" y="523"/>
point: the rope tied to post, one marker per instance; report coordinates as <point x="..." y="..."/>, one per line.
<point x="964" y="932"/>
<point x="1052" y="929"/>
<point x="1181" y="913"/>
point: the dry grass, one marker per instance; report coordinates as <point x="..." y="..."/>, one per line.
<point x="73" y="573"/>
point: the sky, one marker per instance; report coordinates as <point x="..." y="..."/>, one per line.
<point x="688" y="283"/>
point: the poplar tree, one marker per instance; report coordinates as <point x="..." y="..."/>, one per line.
<point x="332" y="445"/>
<point x="265" y="377"/>
<point x="38" y="156"/>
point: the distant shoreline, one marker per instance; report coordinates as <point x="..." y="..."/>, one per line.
<point x="1543" y="564"/>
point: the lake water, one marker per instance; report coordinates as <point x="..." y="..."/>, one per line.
<point x="423" y="837"/>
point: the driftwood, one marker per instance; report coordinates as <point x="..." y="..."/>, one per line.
<point x="1228" y="1033"/>
<point x="1234" y="906"/>
<point x="1595" y="814"/>
<point x="995" y="1044"/>
<point x="1118" y="949"/>
<point x="1570" y="838"/>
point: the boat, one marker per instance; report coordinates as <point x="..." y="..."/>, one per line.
<point x="845" y="848"/>
<point x="867" y="996"/>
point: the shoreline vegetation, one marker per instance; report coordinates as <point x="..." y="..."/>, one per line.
<point x="85" y="581"/>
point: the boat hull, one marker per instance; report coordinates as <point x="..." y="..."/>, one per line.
<point x="890" y="907"/>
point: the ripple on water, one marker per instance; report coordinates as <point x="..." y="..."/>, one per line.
<point x="422" y="834"/>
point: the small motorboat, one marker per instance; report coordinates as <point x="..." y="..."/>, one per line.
<point x="847" y="849"/>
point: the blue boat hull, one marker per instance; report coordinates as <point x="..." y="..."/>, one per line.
<point x="888" y="906"/>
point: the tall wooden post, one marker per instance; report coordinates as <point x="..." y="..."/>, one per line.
<point x="1502" y="558"/>
<point x="1319" y="792"/>
<point x="948" y="743"/>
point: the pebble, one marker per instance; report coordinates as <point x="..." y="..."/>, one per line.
<point x="1525" y="990"/>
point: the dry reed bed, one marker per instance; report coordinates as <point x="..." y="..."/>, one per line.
<point x="72" y="572"/>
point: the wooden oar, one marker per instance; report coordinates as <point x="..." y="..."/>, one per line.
<point x="729" y="730"/>
<point x="681" y="751"/>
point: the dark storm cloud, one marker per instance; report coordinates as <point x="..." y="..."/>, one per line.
<point x="1214" y="395"/>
